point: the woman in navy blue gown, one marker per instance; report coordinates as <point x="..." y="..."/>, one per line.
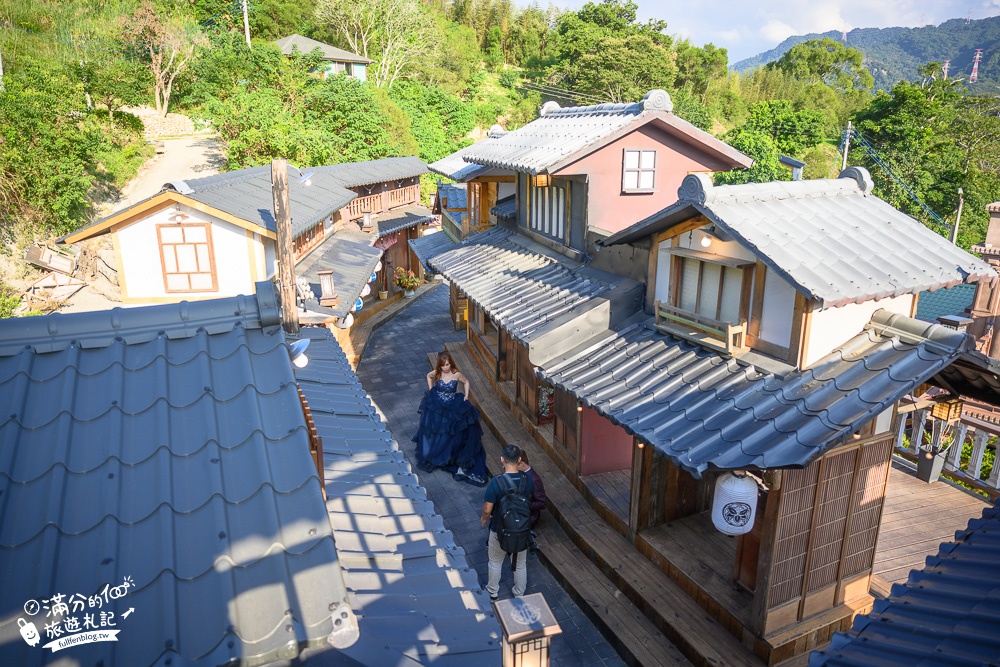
<point x="450" y="436"/>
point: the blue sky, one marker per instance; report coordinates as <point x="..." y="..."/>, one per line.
<point x="747" y="27"/>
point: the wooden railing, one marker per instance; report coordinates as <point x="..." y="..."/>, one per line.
<point x="315" y="442"/>
<point x="370" y="204"/>
<point x="724" y="336"/>
<point x="403" y="196"/>
<point x="919" y="434"/>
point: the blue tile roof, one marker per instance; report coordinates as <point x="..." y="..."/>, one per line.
<point x="945" y="614"/>
<point x="947" y="301"/>
<point x="166" y="445"/>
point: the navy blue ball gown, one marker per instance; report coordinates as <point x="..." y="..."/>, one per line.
<point x="450" y="436"/>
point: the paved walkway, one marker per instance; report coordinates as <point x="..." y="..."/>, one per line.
<point x="393" y="371"/>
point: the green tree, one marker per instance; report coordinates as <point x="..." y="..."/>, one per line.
<point x="792" y="131"/>
<point x="764" y="151"/>
<point x="697" y="66"/>
<point x="828" y="61"/>
<point x="115" y="83"/>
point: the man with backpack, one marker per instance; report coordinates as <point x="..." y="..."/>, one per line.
<point x="507" y="509"/>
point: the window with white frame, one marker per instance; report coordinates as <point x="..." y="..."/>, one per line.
<point x="548" y="211"/>
<point x="639" y="171"/>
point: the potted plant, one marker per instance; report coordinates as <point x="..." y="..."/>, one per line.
<point x="407" y="280"/>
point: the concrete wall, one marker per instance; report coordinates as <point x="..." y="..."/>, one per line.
<point x="611" y="209"/>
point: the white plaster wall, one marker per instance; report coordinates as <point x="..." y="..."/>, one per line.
<point x="140" y="256"/>
<point x="777" y="311"/>
<point x="269" y="260"/>
<point x="833" y="327"/>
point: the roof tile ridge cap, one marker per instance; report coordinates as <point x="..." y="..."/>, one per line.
<point x="888" y="324"/>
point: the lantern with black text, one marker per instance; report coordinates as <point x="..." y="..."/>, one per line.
<point x="734" y="504"/>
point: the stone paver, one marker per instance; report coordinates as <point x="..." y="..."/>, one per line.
<point x="393" y="371"/>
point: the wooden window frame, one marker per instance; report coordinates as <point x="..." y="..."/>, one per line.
<point x="639" y="170"/>
<point x="211" y="257"/>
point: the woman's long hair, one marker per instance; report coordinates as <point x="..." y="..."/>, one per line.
<point x="442" y="358"/>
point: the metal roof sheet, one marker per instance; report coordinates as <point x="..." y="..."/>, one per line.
<point x="348" y="253"/>
<point x="506" y="208"/>
<point x="560" y="135"/>
<point x="945" y="301"/>
<point x="945" y="614"/>
<point x="703" y="410"/>
<point x="167" y="445"/>
<point x="247" y="193"/>
<point x="831" y="239"/>
<point x="457" y="168"/>
<point x="305" y="45"/>
<point x="526" y="291"/>
<point x="402" y="218"/>
<point x="415" y="596"/>
<point x="431" y="245"/>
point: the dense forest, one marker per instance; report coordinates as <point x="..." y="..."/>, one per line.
<point x="443" y="73"/>
<point x="895" y="54"/>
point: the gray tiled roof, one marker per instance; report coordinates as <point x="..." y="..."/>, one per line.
<point x="402" y="218"/>
<point x="349" y="255"/>
<point x="305" y="45"/>
<point x="431" y="245"/>
<point x="945" y="614"/>
<point x="703" y="410"/>
<point x="560" y="135"/>
<point x="946" y="301"/>
<point x="412" y="589"/>
<point x="541" y="299"/>
<point x="247" y="194"/>
<point x="831" y="239"/>
<point x="506" y="208"/>
<point x="457" y="168"/>
<point x="166" y="444"/>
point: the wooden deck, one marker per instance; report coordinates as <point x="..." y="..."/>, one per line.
<point x="917" y="518"/>
<point x="613" y="490"/>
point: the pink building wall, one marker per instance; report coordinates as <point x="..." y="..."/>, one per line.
<point x="603" y="446"/>
<point x="612" y="210"/>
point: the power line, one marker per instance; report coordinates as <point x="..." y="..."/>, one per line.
<point x="875" y="157"/>
<point x="561" y="92"/>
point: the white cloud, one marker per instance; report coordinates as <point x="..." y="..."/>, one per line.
<point x="777" y="31"/>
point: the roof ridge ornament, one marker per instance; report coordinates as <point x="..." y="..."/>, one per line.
<point x="548" y="108"/>
<point x="657" y="100"/>
<point x="861" y="175"/>
<point x="697" y="188"/>
<point x="496" y="131"/>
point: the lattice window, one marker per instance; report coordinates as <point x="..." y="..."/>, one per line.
<point x="639" y="171"/>
<point x="789" y="568"/>
<point x="548" y="211"/>
<point x="187" y="257"/>
<point x="869" y="498"/>
<point x="834" y="505"/>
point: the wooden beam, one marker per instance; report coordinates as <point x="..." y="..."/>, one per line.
<point x="768" y="543"/>
<point x="285" y="254"/>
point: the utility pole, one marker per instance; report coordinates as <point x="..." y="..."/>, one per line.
<point x="1" y="71"/>
<point x="246" y="24"/>
<point x="958" y="217"/>
<point x="285" y="255"/>
<point x="847" y="146"/>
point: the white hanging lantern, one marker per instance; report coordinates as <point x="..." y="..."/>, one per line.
<point x="378" y="267"/>
<point x="346" y="321"/>
<point x="735" y="504"/>
<point x="372" y="278"/>
<point x="358" y="304"/>
<point x="366" y="290"/>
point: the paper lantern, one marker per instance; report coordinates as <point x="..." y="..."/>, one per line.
<point x="734" y="504"/>
<point x="372" y="278"/>
<point x="346" y="321"/>
<point x="378" y="267"/>
<point x="366" y="290"/>
<point x="358" y="304"/>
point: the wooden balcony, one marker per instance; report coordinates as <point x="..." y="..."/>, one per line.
<point x="721" y="336"/>
<point x="370" y="204"/>
<point x="403" y="196"/>
<point x="381" y="202"/>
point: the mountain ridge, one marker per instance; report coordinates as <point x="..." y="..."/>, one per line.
<point x="893" y="54"/>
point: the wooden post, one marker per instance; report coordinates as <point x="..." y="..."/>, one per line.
<point x="917" y="433"/>
<point x="285" y="255"/>
<point x="976" y="459"/>
<point x="954" y="458"/>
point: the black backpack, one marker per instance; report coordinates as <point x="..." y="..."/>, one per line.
<point x="514" y="518"/>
